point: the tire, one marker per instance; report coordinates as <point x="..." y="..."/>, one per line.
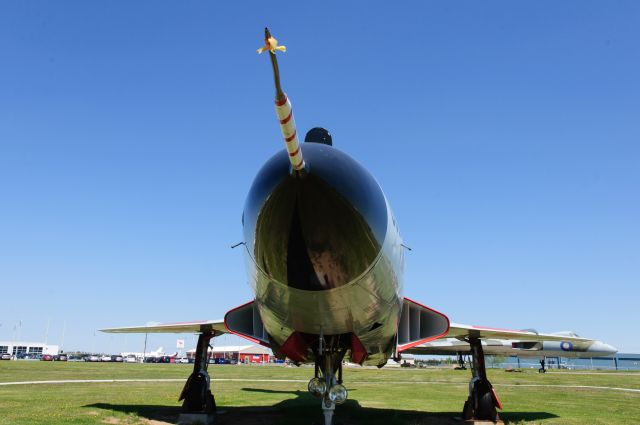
<point x="467" y="410"/>
<point x="486" y="408"/>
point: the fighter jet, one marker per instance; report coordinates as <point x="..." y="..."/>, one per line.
<point x="325" y="261"/>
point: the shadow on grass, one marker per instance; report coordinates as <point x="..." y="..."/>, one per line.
<point x="305" y="409"/>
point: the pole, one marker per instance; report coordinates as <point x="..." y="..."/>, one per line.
<point x="64" y="328"/>
<point x="46" y="332"/>
<point x="13" y="341"/>
<point x="144" y="352"/>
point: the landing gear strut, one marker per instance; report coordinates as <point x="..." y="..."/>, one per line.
<point x="326" y="385"/>
<point x="482" y="401"/>
<point x="199" y="406"/>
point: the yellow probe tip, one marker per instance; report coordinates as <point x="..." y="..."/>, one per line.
<point x="271" y="44"/>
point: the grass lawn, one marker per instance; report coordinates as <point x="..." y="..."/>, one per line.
<point x="386" y="396"/>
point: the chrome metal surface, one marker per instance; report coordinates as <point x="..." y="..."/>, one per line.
<point x="324" y="253"/>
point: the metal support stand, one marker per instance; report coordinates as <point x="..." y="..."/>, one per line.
<point x="328" y="407"/>
<point x="199" y="406"/>
<point x="329" y="375"/>
<point x="482" y="401"/>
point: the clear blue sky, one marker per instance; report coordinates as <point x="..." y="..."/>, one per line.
<point x="505" y="135"/>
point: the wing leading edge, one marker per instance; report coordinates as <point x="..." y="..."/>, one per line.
<point x="215" y="326"/>
<point x="462" y="332"/>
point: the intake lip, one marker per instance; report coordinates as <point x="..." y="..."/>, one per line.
<point x="320" y="231"/>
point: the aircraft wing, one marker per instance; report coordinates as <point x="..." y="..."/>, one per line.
<point x="217" y="326"/>
<point x="462" y="332"/>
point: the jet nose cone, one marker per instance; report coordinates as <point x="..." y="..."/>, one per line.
<point x="601" y="347"/>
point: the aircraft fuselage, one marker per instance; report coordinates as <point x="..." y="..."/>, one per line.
<point x="324" y="254"/>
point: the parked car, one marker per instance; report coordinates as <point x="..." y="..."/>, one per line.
<point x="182" y="360"/>
<point x="105" y="358"/>
<point x="118" y="359"/>
<point x="92" y="358"/>
<point x="130" y="359"/>
<point x="5" y="356"/>
<point x="60" y="358"/>
<point x="47" y="358"/>
<point x="75" y="358"/>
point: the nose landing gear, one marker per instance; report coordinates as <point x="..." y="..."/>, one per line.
<point x="325" y="385"/>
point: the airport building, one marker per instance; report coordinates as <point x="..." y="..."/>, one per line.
<point x="237" y="353"/>
<point x="20" y="348"/>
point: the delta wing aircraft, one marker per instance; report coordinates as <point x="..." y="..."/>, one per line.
<point x="325" y="260"/>
<point x="524" y="348"/>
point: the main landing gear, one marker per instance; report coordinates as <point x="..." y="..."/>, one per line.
<point x="199" y="406"/>
<point x="483" y="400"/>
<point x="326" y="385"/>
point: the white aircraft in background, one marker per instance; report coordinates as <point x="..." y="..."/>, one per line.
<point x="528" y="349"/>
<point x="153" y="354"/>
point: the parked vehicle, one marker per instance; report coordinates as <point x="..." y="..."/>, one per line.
<point x="92" y="358"/>
<point x="105" y="358"/>
<point x="5" y="356"/>
<point x="47" y="358"/>
<point x="117" y="358"/>
<point x="75" y="359"/>
<point x="60" y="358"/>
<point x="130" y="359"/>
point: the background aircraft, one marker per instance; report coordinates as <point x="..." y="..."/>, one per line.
<point x="505" y="347"/>
<point x="139" y="355"/>
<point x="326" y="261"/>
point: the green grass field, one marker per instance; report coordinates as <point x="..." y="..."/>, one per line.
<point x="386" y="396"/>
